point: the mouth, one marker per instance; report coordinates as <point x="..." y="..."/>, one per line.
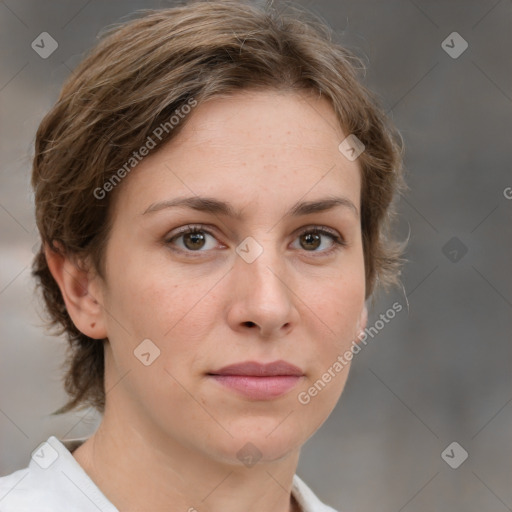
<point x="259" y="381"/>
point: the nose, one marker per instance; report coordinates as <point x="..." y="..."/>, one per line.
<point x="264" y="299"/>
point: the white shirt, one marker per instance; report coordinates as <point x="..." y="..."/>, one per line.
<point x="55" y="482"/>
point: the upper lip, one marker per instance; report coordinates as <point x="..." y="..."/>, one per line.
<point x="255" y="369"/>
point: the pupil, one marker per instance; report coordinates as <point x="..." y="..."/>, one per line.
<point x="312" y="237"/>
<point x="195" y="237"/>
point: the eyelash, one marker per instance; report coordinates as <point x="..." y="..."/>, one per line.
<point x="339" y="242"/>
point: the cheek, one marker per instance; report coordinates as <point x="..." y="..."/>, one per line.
<point x="338" y="301"/>
<point x="175" y="314"/>
<point x="338" y="306"/>
<point x="150" y="298"/>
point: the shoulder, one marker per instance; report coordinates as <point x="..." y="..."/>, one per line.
<point x="307" y="499"/>
<point x="52" y="482"/>
<point x="20" y="492"/>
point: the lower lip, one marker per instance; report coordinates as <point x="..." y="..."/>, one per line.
<point x="259" y="388"/>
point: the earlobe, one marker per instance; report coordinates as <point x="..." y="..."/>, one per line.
<point x="74" y="282"/>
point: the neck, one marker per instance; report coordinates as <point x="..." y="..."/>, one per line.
<point x="141" y="470"/>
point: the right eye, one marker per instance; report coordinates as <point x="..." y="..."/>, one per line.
<point x="193" y="238"/>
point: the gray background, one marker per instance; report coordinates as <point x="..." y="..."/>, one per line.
<point x="437" y="373"/>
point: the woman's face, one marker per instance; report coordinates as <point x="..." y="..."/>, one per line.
<point x="255" y="283"/>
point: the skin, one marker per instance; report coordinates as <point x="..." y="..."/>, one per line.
<point x="170" y="434"/>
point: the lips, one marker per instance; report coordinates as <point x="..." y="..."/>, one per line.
<point x="259" y="381"/>
<point x="255" y="369"/>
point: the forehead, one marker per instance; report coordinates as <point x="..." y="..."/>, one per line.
<point x="252" y="120"/>
<point x="259" y="146"/>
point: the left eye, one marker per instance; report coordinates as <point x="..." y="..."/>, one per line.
<point x="312" y="239"/>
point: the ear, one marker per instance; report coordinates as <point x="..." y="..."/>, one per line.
<point x="78" y="291"/>
<point x="362" y="322"/>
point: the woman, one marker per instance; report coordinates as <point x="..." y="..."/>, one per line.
<point x="213" y="192"/>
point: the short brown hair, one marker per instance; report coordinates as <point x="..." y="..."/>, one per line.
<point x="137" y="76"/>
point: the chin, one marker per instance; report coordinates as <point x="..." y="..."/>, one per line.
<point x="262" y="440"/>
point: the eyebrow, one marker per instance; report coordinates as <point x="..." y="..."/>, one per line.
<point x="214" y="206"/>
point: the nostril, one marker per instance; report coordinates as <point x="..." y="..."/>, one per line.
<point x="249" y="324"/>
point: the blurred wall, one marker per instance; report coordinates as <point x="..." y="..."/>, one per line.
<point x="438" y="372"/>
